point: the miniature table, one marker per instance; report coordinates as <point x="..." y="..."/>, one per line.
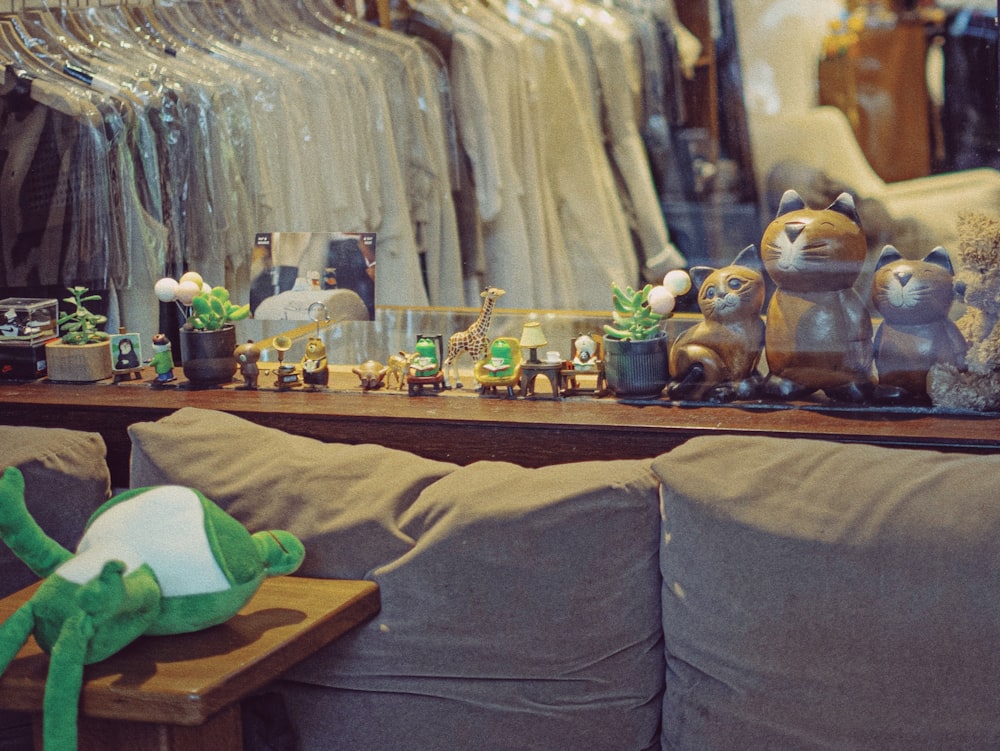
<point x="531" y="370"/>
<point x="183" y="692"/>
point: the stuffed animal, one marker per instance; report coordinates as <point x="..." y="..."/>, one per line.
<point x="977" y="258"/>
<point x="158" y="560"/>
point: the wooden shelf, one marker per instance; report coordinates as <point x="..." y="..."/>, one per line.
<point x="463" y="427"/>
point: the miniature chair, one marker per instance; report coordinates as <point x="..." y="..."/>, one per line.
<point x="780" y="43"/>
<point x="583" y="373"/>
<point x="492" y="371"/>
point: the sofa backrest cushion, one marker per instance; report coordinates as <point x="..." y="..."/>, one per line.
<point x="346" y="499"/>
<point x="66" y="478"/>
<point x="819" y="595"/>
<point x="520" y="607"/>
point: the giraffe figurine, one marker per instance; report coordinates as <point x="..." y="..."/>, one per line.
<point x="473" y="340"/>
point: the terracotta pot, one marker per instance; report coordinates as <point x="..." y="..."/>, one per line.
<point x="207" y="356"/>
<point x="78" y="363"/>
<point x="636" y="369"/>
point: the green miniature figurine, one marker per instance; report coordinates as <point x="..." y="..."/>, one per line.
<point x="163" y="360"/>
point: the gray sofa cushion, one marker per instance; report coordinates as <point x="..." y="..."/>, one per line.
<point x="66" y="478"/>
<point x="819" y="596"/>
<point x="520" y="607"/>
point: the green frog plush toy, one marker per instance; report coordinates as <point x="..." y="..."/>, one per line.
<point x="158" y="560"/>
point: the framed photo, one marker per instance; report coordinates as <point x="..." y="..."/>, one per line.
<point x="293" y="261"/>
<point x="126" y="353"/>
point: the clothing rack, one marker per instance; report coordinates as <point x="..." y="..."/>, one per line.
<point x="358" y="8"/>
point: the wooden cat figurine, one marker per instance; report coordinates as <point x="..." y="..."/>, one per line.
<point x="914" y="299"/>
<point x="818" y="335"/>
<point x="717" y="358"/>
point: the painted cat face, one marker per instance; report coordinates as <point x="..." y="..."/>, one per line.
<point x="729" y="293"/>
<point x="909" y="292"/>
<point x="814" y="250"/>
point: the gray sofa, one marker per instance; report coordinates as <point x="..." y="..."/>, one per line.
<point x="736" y="593"/>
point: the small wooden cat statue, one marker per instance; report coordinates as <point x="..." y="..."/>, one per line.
<point x="818" y="335"/>
<point x="914" y="299"/>
<point x="717" y="358"/>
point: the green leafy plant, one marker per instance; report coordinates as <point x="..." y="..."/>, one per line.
<point x="633" y="317"/>
<point x="212" y="310"/>
<point x="79" y="325"/>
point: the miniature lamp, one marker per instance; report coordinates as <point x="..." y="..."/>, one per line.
<point x="532" y="337"/>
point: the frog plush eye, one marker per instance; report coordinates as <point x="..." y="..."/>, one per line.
<point x="281" y="551"/>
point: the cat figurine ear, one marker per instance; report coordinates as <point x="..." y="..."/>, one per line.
<point x="844" y="204"/>
<point x="939" y="256"/>
<point x="749" y="257"/>
<point x="790" y="201"/>
<point x="888" y="255"/>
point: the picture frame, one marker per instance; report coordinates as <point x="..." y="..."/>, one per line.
<point x="126" y="353"/>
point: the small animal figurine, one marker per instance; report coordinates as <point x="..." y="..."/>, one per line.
<point x="162" y="360"/>
<point x="473" y="339"/>
<point x="247" y="356"/>
<point x="717" y="358"/>
<point x="397" y="368"/>
<point x="158" y="560"/>
<point x="371" y="374"/>
<point x="818" y="335"/>
<point x="914" y="299"/>
<point x="315" y="371"/>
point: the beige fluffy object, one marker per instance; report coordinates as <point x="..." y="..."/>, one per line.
<point x="977" y="387"/>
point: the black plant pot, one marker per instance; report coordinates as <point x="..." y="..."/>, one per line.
<point x="637" y="369"/>
<point x="207" y="356"/>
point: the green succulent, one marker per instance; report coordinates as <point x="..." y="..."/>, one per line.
<point x="79" y="325"/>
<point x="633" y="318"/>
<point x="210" y="311"/>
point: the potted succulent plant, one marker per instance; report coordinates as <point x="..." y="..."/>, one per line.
<point x="83" y="353"/>
<point x="635" y="346"/>
<point x="208" y="336"/>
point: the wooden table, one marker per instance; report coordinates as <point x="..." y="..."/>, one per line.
<point x="463" y="427"/>
<point x="182" y="693"/>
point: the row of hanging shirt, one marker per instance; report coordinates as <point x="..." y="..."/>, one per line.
<point x="137" y="142"/>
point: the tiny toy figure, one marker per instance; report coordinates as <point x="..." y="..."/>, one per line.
<point x="371" y="374"/>
<point x="473" y="340"/>
<point x="247" y="356"/>
<point x="162" y="361"/>
<point x="585" y="358"/>
<point x="15" y="325"/>
<point x="315" y="373"/>
<point x="285" y="375"/>
<point x="398" y="367"/>
<point x="425" y="369"/>
<point x="501" y="360"/>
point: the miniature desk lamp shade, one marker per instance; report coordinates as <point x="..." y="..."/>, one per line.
<point x="532" y="337"/>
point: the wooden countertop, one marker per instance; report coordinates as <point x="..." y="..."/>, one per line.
<point x="461" y="426"/>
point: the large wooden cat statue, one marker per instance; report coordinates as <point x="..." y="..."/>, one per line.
<point x="819" y="333"/>
<point x="914" y="299"/>
<point x="717" y="358"/>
